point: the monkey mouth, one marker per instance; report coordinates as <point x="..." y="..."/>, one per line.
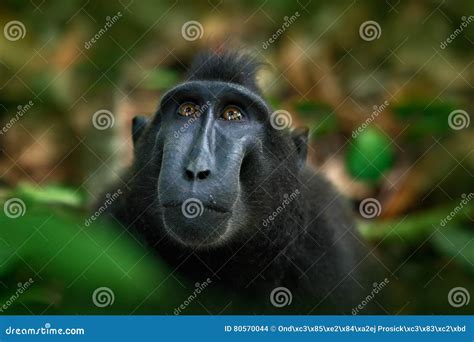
<point x="186" y="207"/>
<point x="195" y="223"/>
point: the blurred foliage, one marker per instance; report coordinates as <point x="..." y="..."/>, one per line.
<point x="320" y="70"/>
<point x="370" y="155"/>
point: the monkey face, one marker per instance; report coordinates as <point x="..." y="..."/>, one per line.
<point x="208" y="140"/>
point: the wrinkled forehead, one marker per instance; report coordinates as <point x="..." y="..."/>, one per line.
<point x="214" y="91"/>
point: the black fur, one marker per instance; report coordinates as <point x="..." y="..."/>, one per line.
<point x="233" y="67"/>
<point x="311" y="247"/>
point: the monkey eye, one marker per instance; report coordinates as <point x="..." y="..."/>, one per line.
<point x="188" y="109"/>
<point x="232" y="114"/>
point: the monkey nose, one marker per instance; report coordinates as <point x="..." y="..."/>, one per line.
<point x="192" y="175"/>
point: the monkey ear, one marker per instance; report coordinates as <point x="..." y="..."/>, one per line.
<point x="138" y="126"/>
<point x="300" y="137"/>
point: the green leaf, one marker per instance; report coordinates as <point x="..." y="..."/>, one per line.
<point x="369" y="156"/>
<point x="456" y="243"/>
<point x="320" y="116"/>
<point x="161" y="79"/>
<point x="51" y="194"/>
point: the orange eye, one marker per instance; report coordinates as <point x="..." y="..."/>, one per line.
<point x="188" y="109"/>
<point x="232" y="114"/>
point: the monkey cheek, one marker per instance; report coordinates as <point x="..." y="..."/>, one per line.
<point x="206" y="229"/>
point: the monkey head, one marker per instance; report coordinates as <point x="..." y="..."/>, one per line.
<point x="201" y="161"/>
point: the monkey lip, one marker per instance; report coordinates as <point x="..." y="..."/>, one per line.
<point x="208" y="206"/>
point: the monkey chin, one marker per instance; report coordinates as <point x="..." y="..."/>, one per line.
<point x="208" y="229"/>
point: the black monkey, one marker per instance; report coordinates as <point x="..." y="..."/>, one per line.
<point x="217" y="191"/>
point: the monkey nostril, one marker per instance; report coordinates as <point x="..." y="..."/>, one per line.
<point x="203" y="174"/>
<point x="189" y="174"/>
